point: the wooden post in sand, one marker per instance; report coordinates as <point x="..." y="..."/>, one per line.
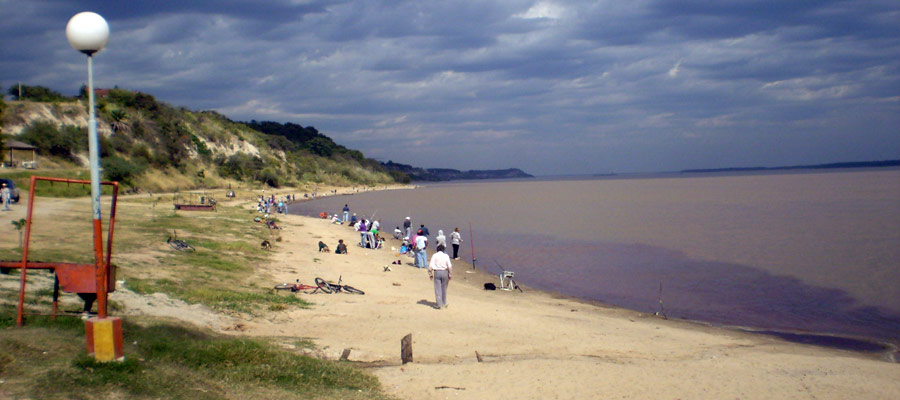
<point x="406" y="348"/>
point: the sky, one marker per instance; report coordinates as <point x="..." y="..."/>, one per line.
<point x="551" y="87"/>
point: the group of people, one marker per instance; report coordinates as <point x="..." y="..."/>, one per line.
<point x="340" y="249"/>
<point x="369" y="233"/>
<point x="414" y="244"/>
<point x="440" y="268"/>
<point x="268" y="204"/>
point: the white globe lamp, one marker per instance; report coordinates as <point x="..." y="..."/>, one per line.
<point x="87" y="32"/>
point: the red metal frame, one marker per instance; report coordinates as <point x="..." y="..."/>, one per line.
<point x="77" y="278"/>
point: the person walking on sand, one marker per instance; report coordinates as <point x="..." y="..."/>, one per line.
<point x="5" y="196"/>
<point x="440" y="271"/>
<point x="421" y="253"/>
<point x="455" y="240"/>
<point x="440" y="239"/>
<point x="346" y="212"/>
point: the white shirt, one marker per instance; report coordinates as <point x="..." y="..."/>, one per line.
<point x="421" y="242"/>
<point x="454" y="237"/>
<point x="440" y="261"/>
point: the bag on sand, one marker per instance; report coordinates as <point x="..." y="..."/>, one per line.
<point x="490" y="286"/>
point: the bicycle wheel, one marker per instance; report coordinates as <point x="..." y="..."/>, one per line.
<point x="351" y="289"/>
<point x="324" y="286"/>
<point x="284" y="286"/>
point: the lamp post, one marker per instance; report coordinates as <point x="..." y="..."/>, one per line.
<point x="88" y="32"/>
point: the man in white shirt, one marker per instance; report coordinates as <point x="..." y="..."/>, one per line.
<point x="439" y="271"/>
<point x="421" y="255"/>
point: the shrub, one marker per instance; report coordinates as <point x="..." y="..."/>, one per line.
<point x="121" y="170"/>
<point x="37" y="93"/>
<point x="50" y="140"/>
<point x="269" y="176"/>
<point x="240" y="166"/>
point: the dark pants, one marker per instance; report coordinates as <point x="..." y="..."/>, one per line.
<point x="455" y="251"/>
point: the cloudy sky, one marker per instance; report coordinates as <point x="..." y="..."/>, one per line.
<point x="552" y="87"/>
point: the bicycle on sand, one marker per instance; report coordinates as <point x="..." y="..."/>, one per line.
<point x="321" y="285"/>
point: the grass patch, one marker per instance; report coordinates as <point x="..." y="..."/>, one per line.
<point x="219" y="274"/>
<point x="220" y="299"/>
<point x="46" y="360"/>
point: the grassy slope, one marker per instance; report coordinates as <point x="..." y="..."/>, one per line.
<point x="181" y="146"/>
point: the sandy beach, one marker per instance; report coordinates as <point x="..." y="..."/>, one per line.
<point x="533" y="345"/>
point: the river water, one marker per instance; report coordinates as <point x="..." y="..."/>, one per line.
<point x="815" y="252"/>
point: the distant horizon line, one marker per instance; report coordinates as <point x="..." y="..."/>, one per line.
<point x="835" y="165"/>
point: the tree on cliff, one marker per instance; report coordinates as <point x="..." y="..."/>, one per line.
<point x="36" y="93"/>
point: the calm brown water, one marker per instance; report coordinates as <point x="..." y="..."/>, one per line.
<point x="815" y="252"/>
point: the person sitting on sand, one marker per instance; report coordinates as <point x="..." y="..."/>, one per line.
<point x="323" y="248"/>
<point x="404" y="247"/>
<point x="397" y="233"/>
<point x="341" y="247"/>
<point x="336" y="220"/>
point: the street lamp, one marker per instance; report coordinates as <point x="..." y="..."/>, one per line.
<point x="88" y="32"/>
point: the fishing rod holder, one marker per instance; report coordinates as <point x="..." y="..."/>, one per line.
<point x="506" y="280"/>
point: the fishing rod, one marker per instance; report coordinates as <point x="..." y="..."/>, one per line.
<point x="472" y="243"/>
<point x="498" y="265"/>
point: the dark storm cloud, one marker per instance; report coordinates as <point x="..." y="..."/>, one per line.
<point x="549" y="86"/>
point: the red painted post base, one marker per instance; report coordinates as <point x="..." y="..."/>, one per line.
<point x="104" y="338"/>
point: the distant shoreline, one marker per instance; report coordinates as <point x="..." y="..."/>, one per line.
<point x="841" y="165"/>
